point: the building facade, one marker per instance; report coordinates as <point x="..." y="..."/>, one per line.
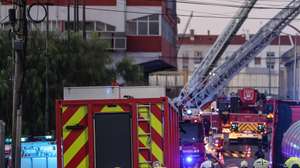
<point x="140" y="29"/>
<point x="289" y="73"/>
<point x="262" y="73"/>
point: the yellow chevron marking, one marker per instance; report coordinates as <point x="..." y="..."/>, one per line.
<point x="75" y="147"/>
<point x="112" y="109"/>
<point x="75" y="119"/>
<point x="155" y="123"/>
<point x="142" y="162"/>
<point x="159" y="106"/>
<point x="64" y="108"/>
<point x="156" y="151"/>
<point x="248" y="126"/>
<point x="84" y="163"/>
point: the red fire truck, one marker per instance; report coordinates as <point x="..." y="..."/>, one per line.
<point x="245" y="115"/>
<point x="192" y="146"/>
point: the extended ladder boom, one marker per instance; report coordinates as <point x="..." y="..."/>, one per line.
<point x="218" y="47"/>
<point x="240" y="58"/>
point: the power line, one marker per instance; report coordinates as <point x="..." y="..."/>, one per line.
<point x="183" y="15"/>
<point x="223" y="5"/>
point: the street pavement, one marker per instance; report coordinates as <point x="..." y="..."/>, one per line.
<point x="234" y="153"/>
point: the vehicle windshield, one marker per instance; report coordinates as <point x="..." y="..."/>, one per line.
<point x="191" y="133"/>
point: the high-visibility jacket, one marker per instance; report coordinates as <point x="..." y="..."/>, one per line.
<point x="292" y="161"/>
<point x="261" y="163"/>
<point x="207" y="164"/>
<point x="244" y="164"/>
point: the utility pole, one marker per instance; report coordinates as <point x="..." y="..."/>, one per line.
<point x="17" y="16"/>
<point x="295" y="70"/>
<point x="2" y="144"/>
<point x="83" y="21"/>
<point x="46" y="115"/>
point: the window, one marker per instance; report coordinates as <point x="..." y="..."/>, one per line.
<point x="270" y="61"/>
<point x="110" y="28"/>
<point x="185" y="60"/>
<point x="132" y="27"/>
<point x="197" y="57"/>
<point x="120" y="43"/>
<point x="271" y="66"/>
<point x="185" y="63"/>
<point x="197" y="54"/>
<point x="143" y="28"/>
<point x="257" y="61"/>
<point x="69" y="25"/>
<point x="100" y="26"/>
<point x="147" y="25"/>
<point x="270" y="54"/>
<point x="198" y="60"/>
<point x="153" y="28"/>
<point x="89" y="26"/>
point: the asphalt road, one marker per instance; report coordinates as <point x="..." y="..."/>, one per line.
<point x="234" y="153"/>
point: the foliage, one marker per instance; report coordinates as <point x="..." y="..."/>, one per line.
<point x="129" y="72"/>
<point x="73" y="62"/>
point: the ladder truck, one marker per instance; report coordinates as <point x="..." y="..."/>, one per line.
<point x="206" y="89"/>
<point x="218" y="48"/>
<point x="192" y="147"/>
<point x="206" y="81"/>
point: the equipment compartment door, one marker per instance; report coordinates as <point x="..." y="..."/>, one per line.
<point x="113" y="140"/>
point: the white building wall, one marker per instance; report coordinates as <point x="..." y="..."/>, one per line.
<point x="112" y="15"/>
<point x="255" y="75"/>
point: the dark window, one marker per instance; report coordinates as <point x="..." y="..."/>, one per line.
<point x="143" y="28"/>
<point x="110" y="28"/>
<point x="185" y="62"/>
<point x="153" y="28"/>
<point x="153" y="18"/>
<point x="270" y="54"/>
<point x="257" y="61"/>
<point x="132" y="27"/>
<point x="120" y="43"/>
<point x="89" y="26"/>
<point x="100" y="26"/>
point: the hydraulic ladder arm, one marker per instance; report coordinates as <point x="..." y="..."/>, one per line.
<point x="218" y="48"/>
<point x="240" y="58"/>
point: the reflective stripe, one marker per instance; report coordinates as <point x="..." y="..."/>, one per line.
<point x="143" y="163"/>
<point x="112" y="109"/>
<point x="75" y="147"/>
<point x="75" y="119"/>
<point x="84" y="163"/>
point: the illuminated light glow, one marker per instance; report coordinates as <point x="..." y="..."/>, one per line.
<point x="189" y="159"/>
<point x="189" y="112"/>
<point x="48" y="137"/>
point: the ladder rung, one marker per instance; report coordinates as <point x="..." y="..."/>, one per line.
<point x="144" y="148"/>
<point x="144" y="105"/>
<point x="145" y="134"/>
<point x="146" y="162"/>
<point x="144" y="111"/>
<point x="143" y="120"/>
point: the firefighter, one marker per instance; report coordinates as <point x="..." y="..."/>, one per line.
<point x="207" y="163"/>
<point x="260" y="162"/>
<point x="244" y="164"/>
<point x="292" y="162"/>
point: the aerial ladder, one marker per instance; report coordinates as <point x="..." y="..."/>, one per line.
<point x="218" y="48"/>
<point x="221" y="76"/>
